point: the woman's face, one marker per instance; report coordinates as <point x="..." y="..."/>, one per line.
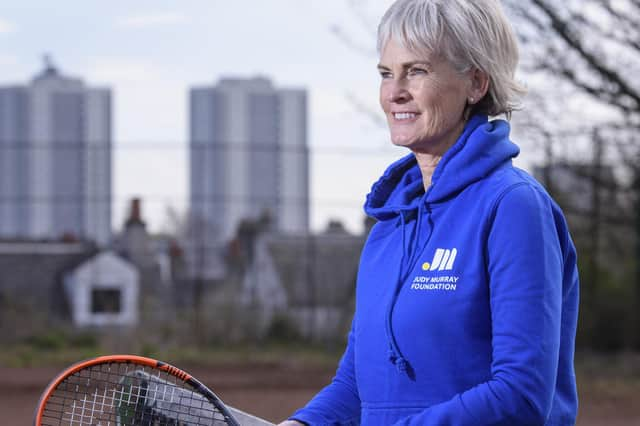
<point x="423" y="99"/>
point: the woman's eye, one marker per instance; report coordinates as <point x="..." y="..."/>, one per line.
<point x="385" y="74"/>
<point x="417" y="71"/>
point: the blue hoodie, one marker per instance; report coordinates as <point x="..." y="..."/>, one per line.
<point x="466" y="298"/>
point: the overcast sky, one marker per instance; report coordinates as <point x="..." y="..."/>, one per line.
<point x="150" y="52"/>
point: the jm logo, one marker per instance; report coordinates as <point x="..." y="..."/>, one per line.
<point x="442" y="260"/>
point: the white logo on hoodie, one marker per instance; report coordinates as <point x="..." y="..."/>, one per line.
<point x="442" y="260"/>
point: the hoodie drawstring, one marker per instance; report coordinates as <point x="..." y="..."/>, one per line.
<point x="394" y="354"/>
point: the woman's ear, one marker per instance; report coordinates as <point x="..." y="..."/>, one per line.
<point x="479" y="85"/>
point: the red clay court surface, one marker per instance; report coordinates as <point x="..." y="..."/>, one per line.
<point x="272" y="391"/>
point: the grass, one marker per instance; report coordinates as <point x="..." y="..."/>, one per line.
<point x="62" y="351"/>
<point x="25" y="355"/>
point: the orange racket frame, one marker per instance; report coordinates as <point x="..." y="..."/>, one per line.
<point x="134" y="359"/>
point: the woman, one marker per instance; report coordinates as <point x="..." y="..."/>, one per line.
<point x="467" y="293"/>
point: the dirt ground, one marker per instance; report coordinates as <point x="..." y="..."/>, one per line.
<point x="273" y="391"/>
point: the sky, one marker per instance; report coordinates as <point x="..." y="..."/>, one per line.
<point x="150" y="52"/>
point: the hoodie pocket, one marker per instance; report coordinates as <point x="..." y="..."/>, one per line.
<point x="387" y="414"/>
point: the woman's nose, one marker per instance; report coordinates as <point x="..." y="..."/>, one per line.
<point x="398" y="92"/>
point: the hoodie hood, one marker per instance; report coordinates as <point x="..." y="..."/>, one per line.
<point x="482" y="147"/>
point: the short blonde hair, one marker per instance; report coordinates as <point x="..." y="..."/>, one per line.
<point x="467" y="33"/>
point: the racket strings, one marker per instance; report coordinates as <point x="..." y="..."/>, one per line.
<point x="127" y="394"/>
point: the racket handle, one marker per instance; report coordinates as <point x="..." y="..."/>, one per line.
<point x="246" y="419"/>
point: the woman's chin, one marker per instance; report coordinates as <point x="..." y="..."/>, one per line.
<point x="400" y="140"/>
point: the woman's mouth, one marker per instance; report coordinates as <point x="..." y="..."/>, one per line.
<point x="404" y="116"/>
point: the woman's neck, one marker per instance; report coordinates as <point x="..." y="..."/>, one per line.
<point x="427" y="163"/>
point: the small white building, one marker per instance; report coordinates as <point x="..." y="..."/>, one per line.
<point x="103" y="291"/>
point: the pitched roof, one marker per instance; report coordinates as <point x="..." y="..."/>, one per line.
<point x="317" y="269"/>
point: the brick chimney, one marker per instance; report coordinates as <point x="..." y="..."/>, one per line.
<point x="135" y="243"/>
<point x="135" y="215"/>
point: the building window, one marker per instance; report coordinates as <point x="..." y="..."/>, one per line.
<point x="106" y="300"/>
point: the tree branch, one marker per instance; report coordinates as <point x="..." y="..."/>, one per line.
<point x="564" y="32"/>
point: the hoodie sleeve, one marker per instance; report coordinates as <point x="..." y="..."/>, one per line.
<point x="524" y="265"/>
<point x="338" y="403"/>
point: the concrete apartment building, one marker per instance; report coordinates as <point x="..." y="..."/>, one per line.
<point x="248" y="158"/>
<point x="55" y="159"/>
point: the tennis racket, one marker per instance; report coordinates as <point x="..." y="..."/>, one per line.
<point x="129" y="390"/>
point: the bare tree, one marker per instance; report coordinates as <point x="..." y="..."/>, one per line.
<point x="582" y="58"/>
